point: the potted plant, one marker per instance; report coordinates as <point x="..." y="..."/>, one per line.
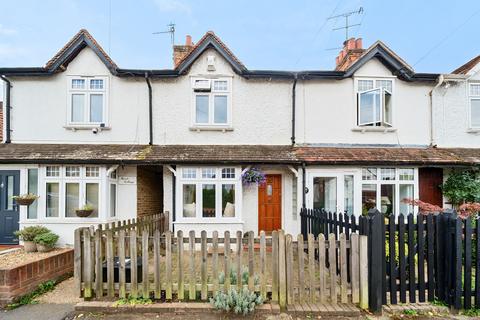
<point x="46" y="241"/>
<point x="25" y="199"/>
<point x="253" y="176"/>
<point x="28" y="234"/>
<point x="85" y="211"/>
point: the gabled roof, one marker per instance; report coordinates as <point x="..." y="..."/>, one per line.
<point x="210" y="40"/>
<point x="464" y="69"/>
<point x="79" y="41"/>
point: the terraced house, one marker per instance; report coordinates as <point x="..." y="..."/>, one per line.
<point x="371" y="132"/>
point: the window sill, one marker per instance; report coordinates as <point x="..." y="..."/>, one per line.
<point x="75" y="127"/>
<point x="474" y="130"/>
<point x="374" y="129"/>
<point x="211" y="128"/>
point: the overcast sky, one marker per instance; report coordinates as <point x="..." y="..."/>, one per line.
<point x="432" y="36"/>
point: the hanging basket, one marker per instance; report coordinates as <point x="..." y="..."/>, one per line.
<point x="24" y="201"/>
<point x="83" y="213"/>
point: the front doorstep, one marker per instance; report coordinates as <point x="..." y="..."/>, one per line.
<point x="20" y="280"/>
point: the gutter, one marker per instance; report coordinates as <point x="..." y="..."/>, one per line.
<point x="150" y="109"/>
<point x="7" y="109"/>
<point x="293" y="108"/>
<point x="441" y="79"/>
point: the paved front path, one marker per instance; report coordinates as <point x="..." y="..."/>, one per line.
<point x="38" y="312"/>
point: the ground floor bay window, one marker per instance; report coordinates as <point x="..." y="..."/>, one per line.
<point x="209" y="194"/>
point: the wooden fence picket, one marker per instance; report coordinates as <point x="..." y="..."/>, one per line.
<point x="133" y="264"/>
<point x="263" y="265"/>
<point x="168" y="265"/>
<point x="203" y="267"/>
<point x="251" y="257"/>
<point x="145" y="280"/>
<point x="98" y="264"/>
<point x="226" y="255"/>
<point x="238" y="267"/>
<point x="215" y="261"/>
<point x="301" y="267"/>
<point x="332" y="260"/>
<point x="86" y="264"/>
<point x="192" y="291"/>
<point x="282" y="287"/>
<point x="354" y="268"/>
<point x="181" y="277"/>
<point x="275" y="283"/>
<point x="289" y="269"/>
<point x="322" y="253"/>
<point x="311" y="267"/>
<point x="122" y="289"/>
<point x="156" y="266"/>
<point x="343" y="268"/>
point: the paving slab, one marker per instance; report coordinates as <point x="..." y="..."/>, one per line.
<point x="38" y="312"/>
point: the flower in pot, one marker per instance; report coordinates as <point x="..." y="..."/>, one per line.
<point x="85" y="211"/>
<point x="46" y="241"/>
<point x="25" y="199"/>
<point x="28" y="234"/>
<point x="253" y="176"/>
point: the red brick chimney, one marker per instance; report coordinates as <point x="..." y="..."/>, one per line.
<point x="181" y="51"/>
<point x="1" y="121"/>
<point x="352" y="50"/>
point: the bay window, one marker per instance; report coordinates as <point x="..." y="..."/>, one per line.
<point x="211" y="102"/>
<point x="386" y="188"/>
<point x="209" y="192"/>
<point x="374" y="102"/>
<point x="474" y="95"/>
<point x="87" y="100"/>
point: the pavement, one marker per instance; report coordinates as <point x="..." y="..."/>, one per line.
<point x="40" y="311"/>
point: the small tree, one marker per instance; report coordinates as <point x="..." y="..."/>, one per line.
<point x="462" y="187"/>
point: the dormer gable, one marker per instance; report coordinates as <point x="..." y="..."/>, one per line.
<point x="471" y="67"/>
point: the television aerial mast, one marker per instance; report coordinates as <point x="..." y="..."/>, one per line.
<point x="346" y="15"/>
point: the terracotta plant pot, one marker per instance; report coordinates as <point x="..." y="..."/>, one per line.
<point x="29" y="246"/>
<point x="24" y="202"/>
<point x="83" y="213"/>
<point x="43" y="248"/>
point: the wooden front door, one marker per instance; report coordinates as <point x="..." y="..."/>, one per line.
<point x="270" y="204"/>
<point x="429" y="180"/>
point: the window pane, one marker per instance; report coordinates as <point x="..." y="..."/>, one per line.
<point x="348" y="200"/>
<point x="406" y="192"/>
<point x="189" y="173"/>
<point x="369" y="197"/>
<point x="53" y="171"/>
<point x="78" y="84"/>
<point x="91" y="197"/>
<point x="32" y="188"/>
<point x="72" y="171"/>
<point x="92" y="172"/>
<point x="209" y="173"/>
<point x="53" y="199"/>
<point x="72" y="199"/>
<point x="384" y="84"/>
<point x="369" y="174"/>
<point x="475" y="113"/>
<point x="220" y="85"/>
<point x="189" y="200"/>
<point x="221" y="109"/>
<point x="325" y="193"/>
<point x="208" y="200"/>
<point x="228" y="173"/>
<point x="387" y="198"/>
<point x="387" y="173"/>
<point x="201" y="109"/>
<point x="387" y="113"/>
<point x="228" y="200"/>
<point x="406" y="174"/>
<point x="369" y="107"/>
<point x="78" y="105"/>
<point x="96" y="108"/>
<point x="475" y="89"/>
<point x="113" y="200"/>
<point x="364" y="85"/>
<point x="96" y="84"/>
<point x="10" y="189"/>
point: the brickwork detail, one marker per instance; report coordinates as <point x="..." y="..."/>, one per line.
<point x="149" y="191"/>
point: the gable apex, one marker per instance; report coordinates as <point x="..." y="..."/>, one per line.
<point x="73" y="47"/>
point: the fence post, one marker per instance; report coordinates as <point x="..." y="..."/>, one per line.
<point x="77" y="261"/>
<point x="375" y="260"/>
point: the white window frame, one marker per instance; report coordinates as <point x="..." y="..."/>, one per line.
<point x="62" y="180"/>
<point x="112" y="179"/>
<point x="383" y="121"/>
<point x="470" y="99"/>
<point x="217" y="181"/>
<point x="87" y="92"/>
<point x="211" y="104"/>
<point x="397" y="182"/>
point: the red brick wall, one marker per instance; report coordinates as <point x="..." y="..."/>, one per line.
<point x="1" y="121"/>
<point x="149" y="191"/>
<point x="18" y="281"/>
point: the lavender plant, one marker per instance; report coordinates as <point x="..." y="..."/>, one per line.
<point x="253" y="176"/>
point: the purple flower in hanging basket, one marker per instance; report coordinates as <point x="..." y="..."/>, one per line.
<point x="253" y="176"/>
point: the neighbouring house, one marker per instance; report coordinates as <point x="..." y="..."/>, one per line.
<point x="132" y="142"/>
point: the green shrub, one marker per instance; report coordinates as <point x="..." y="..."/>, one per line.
<point x="233" y="277"/>
<point x="240" y="301"/>
<point x="29" y="233"/>
<point x="462" y="186"/>
<point x="48" y="239"/>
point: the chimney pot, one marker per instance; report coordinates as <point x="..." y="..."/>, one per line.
<point x="358" y="43"/>
<point x="188" y="40"/>
<point x="351" y="51"/>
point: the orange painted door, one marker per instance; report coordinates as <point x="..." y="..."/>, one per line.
<point x="270" y="204"/>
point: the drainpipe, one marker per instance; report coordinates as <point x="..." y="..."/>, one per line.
<point x="293" y="107"/>
<point x="174" y="197"/>
<point x="150" y="109"/>
<point x="304" y="186"/>
<point x="441" y="79"/>
<point x="7" y="108"/>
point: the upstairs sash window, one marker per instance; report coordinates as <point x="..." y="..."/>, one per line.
<point x="475" y="105"/>
<point x="374" y="102"/>
<point x="87" y="100"/>
<point x="211" y="101"/>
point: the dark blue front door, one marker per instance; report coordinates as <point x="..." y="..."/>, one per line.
<point x="9" y="186"/>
